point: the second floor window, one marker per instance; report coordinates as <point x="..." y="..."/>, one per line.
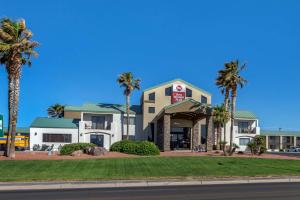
<point x="243" y="127"/>
<point x="168" y="91"/>
<point x="151" y="96"/>
<point x="203" y="99"/>
<point x="98" y="122"/>
<point x="189" y="92"/>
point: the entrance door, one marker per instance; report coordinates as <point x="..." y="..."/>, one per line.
<point x="180" y="138"/>
<point x="98" y="140"/>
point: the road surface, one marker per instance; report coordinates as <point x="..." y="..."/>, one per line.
<point x="270" y="191"/>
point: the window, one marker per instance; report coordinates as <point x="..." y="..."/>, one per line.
<point x="203" y="99"/>
<point x="131" y="120"/>
<point x="151" y="96"/>
<point x="151" y="109"/>
<point x="243" y="127"/>
<point x="244" y="141"/>
<point x="98" y="122"/>
<point x="168" y="91"/>
<point x="63" y="138"/>
<point x="189" y="92"/>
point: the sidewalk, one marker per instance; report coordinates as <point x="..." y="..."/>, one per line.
<point x="140" y="183"/>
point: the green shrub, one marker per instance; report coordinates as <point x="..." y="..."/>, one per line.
<point x="257" y="145"/>
<point x="144" y="148"/>
<point x="68" y="149"/>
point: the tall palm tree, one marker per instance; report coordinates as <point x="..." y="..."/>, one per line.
<point x="221" y="117"/>
<point x="234" y="80"/>
<point x="56" y="111"/>
<point x="223" y="84"/>
<point x="129" y="83"/>
<point x="16" y="49"/>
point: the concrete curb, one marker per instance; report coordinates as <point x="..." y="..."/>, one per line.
<point x="7" y="186"/>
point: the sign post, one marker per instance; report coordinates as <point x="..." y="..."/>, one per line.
<point x="1" y="126"/>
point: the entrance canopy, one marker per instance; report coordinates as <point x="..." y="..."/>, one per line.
<point x="189" y="109"/>
<point x="189" y="114"/>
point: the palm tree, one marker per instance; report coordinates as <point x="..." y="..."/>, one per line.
<point x="129" y="83"/>
<point x="223" y="84"/>
<point x="16" y="49"/>
<point x="56" y="111"/>
<point x="221" y="117"/>
<point x="234" y="80"/>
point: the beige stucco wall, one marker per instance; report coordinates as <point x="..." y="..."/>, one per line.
<point x="161" y="101"/>
<point x="72" y="115"/>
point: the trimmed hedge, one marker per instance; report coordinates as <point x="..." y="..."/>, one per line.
<point x="68" y="149"/>
<point x="143" y="148"/>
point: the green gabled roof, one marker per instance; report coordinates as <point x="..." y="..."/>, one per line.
<point x="244" y="114"/>
<point x="279" y="133"/>
<point x="178" y="79"/>
<point x="44" y="122"/>
<point x="19" y="130"/>
<point x="103" y="108"/>
<point x="181" y="102"/>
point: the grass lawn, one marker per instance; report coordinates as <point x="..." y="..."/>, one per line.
<point x="144" y="168"/>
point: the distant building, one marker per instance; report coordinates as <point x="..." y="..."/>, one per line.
<point x="281" y="140"/>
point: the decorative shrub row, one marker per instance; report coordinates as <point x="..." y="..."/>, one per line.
<point x="68" y="149"/>
<point x="144" y="148"/>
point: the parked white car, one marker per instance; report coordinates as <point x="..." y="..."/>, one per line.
<point x="293" y="149"/>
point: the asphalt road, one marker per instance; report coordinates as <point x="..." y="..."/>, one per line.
<point x="270" y="191"/>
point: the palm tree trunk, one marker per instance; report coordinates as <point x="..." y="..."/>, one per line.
<point x="10" y="111"/>
<point x="219" y="131"/>
<point x="233" y="104"/>
<point x="127" y="113"/>
<point x="15" y="115"/>
<point x="225" y="124"/>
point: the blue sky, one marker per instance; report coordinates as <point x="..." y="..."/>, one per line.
<point x="86" y="44"/>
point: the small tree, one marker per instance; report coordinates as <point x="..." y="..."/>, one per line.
<point x="258" y="145"/>
<point x="221" y="117"/>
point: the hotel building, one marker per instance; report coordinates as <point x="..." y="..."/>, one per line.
<point x="175" y="115"/>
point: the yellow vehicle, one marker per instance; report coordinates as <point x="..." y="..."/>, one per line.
<point x="21" y="142"/>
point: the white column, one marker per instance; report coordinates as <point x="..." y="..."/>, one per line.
<point x="280" y="142"/>
<point x="267" y="142"/>
<point x="295" y="141"/>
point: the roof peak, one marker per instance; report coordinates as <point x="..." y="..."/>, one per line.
<point x="181" y="80"/>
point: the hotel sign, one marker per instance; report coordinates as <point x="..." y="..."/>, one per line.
<point x="178" y="93"/>
<point x="1" y="126"/>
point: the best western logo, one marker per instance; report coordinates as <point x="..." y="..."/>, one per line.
<point x="178" y="93"/>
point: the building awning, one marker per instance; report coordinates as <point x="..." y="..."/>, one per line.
<point x="104" y="108"/>
<point x="279" y="133"/>
<point x="44" y="122"/>
<point x="188" y="108"/>
<point x="245" y="114"/>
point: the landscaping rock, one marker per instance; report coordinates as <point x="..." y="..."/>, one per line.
<point x="77" y="153"/>
<point x="98" y="151"/>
